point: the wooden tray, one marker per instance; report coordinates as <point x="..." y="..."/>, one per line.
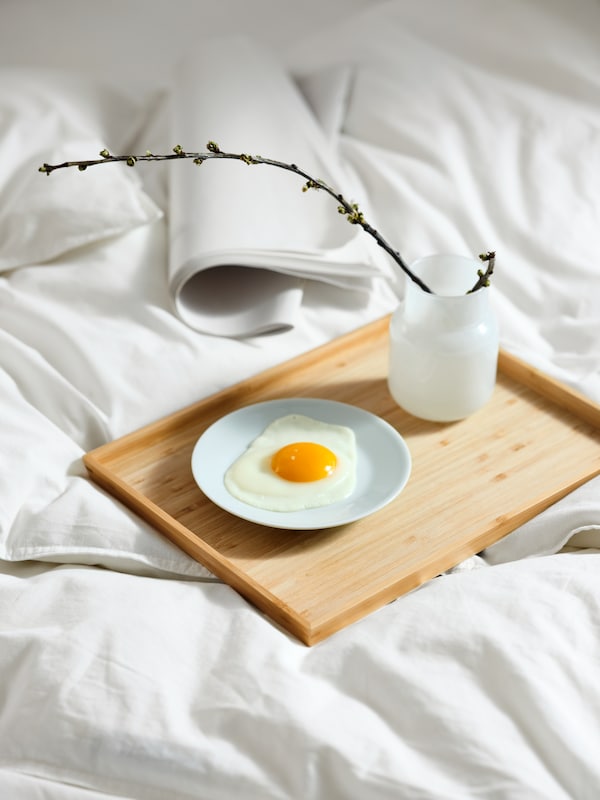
<point x="472" y="482"/>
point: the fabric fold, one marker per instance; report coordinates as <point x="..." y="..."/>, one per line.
<point x="243" y="237"/>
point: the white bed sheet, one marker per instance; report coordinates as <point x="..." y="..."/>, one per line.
<point x="126" y="669"/>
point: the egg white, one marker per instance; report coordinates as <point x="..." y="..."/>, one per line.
<point x="251" y="479"/>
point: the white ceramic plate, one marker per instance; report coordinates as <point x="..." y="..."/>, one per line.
<point x="383" y="461"/>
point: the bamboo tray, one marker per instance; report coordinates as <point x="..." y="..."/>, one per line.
<point x="472" y="482"/>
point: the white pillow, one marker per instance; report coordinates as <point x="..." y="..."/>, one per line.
<point x="48" y="116"/>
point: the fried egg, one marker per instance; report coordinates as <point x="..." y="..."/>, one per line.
<point x="296" y="463"/>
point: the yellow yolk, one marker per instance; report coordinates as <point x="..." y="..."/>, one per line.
<point x="303" y="462"/>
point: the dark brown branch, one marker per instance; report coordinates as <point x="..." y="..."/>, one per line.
<point x="349" y="210"/>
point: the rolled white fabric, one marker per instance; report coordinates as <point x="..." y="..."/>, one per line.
<point x="242" y="238"/>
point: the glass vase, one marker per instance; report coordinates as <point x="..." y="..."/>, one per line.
<point x="443" y="346"/>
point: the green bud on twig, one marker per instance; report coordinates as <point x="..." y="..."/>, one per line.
<point x="311" y="183"/>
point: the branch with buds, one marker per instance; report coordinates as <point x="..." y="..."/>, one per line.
<point x="350" y="210"/>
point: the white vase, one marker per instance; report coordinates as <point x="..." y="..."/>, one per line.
<point x="444" y="345"/>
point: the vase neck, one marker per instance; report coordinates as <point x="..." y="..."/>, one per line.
<point x="449" y="311"/>
<point x="450" y="305"/>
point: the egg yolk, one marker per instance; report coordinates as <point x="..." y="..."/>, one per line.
<point x="303" y="462"/>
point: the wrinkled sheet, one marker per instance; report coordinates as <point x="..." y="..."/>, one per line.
<point x="126" y="669"/>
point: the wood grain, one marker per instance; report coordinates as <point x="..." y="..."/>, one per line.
<point x="472" y="482"/>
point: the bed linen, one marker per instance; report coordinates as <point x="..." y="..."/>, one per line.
<point x="126" y="669"/>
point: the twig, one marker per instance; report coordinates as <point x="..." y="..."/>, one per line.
<point x="349" y="210"/>
<point x="484" y="276"/>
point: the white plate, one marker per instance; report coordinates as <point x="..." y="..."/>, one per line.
<point x="383" y="461"/>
